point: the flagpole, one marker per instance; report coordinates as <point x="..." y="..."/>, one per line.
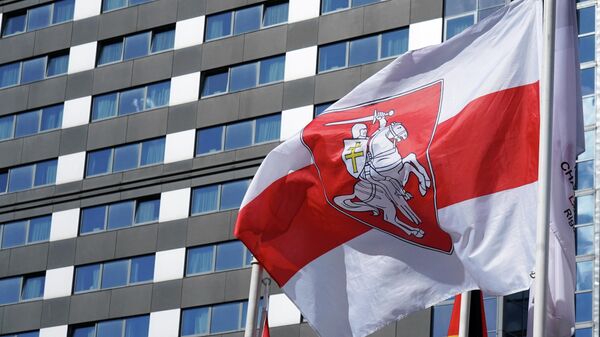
<point x="265" y="309"/>
<point x="253" y="296"/>
<point x="465" y="313"/>
<point x="545" y="164"/>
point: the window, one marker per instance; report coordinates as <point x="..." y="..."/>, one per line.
<point x="461" y="14"/>
<point x="27" y="177"/>
<point x="24" y="334"/>
<point x="442" y="314"/>
<point x="110" y="5"/>
<point x="136" y="45"/>
<point x="219" y="257"/>
<point x="362" y="50"/>
<point x="131" y="101"/>
<point x="123" y="327"/>
<point x="244" y="76"/>
<point x="119" y="215"/>
<point x="31" y="122"/>
<point x="21" y="288"/>
<point x="320" y="108"/>
<point x="24" y="232"/>
<point x="38" y="17"/>
<point x="113" y="274"/>
<point x="125" y="157"/>
<point x="328" y="6"/>
<point x="32" y="70"/>
<point x="238" y="135"/>
<point x="214" y="319"/>
<point x="586" y="19"/>
<point x="219" y="197"/>
<point x="245" y="20"/>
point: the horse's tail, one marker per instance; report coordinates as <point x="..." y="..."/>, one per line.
<point x="346" y="202"/>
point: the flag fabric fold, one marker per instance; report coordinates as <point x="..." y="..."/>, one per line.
<point x="419" y="184"/>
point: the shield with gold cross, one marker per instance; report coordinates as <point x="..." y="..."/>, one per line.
<point x="354" y="155"/>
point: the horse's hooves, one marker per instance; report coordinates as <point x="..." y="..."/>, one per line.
<point x="418" y="233"/>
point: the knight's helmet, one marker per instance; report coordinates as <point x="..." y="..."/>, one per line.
<point x="356" y="131"/>
<point x="398" y="131"/>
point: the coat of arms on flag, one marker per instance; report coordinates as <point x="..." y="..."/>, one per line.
<point x="375" y="165"/>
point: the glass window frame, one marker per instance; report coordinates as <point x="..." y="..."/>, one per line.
<point x="94" y="325"/>
<point x="33" y="186"/>
<point x="39" y="127"/>
<point x="121" y="40"/>
<point x="219" y="197"/>
<point x="102" y="11"/>
<point x="347" y="50"/>
<point x="27" y="229"/>
<point x="105" y="228"/>
<point x="22" y="280"/>
<point x="46" y="58"/>
<point x="101" y="275"/>
<point x="474" y="13"/>
<point x="350" y="6"/>
<point x="26" y="11"/>
<point x="242" y="305"/>
<point x="112" y="158"/>
<point x="233" y="16"/>
<point x="213" y="268"/>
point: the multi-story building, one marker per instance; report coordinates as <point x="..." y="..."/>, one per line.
<point x="129" y="130"/>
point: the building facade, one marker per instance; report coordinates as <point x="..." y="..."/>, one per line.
<point x="129" y="131"/>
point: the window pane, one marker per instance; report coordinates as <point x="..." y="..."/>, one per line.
<point x="218" y="25"/>
<point x="14" y="24"/>
<point x="29" y="334"/>
<point x="39" y="229"/>
<point x="587" y="332"/>
<point x="136" y="46"/>
<point x="586" y="20"/>
<point x="45" y="173"/>
<point x="20" y="178"/>
<point x="6" y="127"/>
<point x="10" y="290"/>
<point x="332" y="56"/>
<point x="110" y="329"/>
<point x="38" y="17"/>
<point x="104" y="106"/>
<point x="85" y="332"/>
<point x="110" y="53"/>
<point x="27" y="123"/>
<point x="487" y="12"/>
<point x="243" y="77"/>
<point x="456" y="26"/>
<point x="33" y="287"/>
<point x="394" y="43"/>
<point x="363" y="50"/>
<point x="441" y="320"/>
<point x="126" y="157"/>
<point x="320" y="108"/>
<point x="589" y="110"/>
<point x="120" y="214"/>
<point x="267" y="129"/>
<point x="215" y="84"/>
<point x="3" y="181"/>
<point x="204" y="199"/>
<point x="33" y="70"/>
<point x="63" y="11"/>
<point x="238" y="135"/>
<point x="114" y="274"/>
<point x="147" y="211"/>
<point x="153" y="151"/>
<point x="57" y="65"/>
<point x="209" y="140"/>
<point x="194" y="322"/>
<point x="585" y="271"/>
<point x="583" y="307"/>
<point x="108" y="5"/>
<point x="586" y="48"/>
<point x="585" y="209"/>
<point x="137" y="326"/>
<point x="247" y="19"/>
<point x="87" y="278"/>
<point x="232" y="194"/>
<point x="230" y="255"/>
<point x="51" y="117"/>
<point x="225" y="317"/>
<point x="332" y="5"/>
<point x="585" y="174"/>
<point x="587" y="81"/>
<point x="199" y="260"/>
<point x="163" y="40"/>
<point x="9" y="74"/>
<point x="98" y="162"/>
<point x="271" y="70"/>
<point x="585" y="240"/>
<point x="590" y="139"/>
<point x="142" y="269"/>
<point x="490" y="307"/>
<point x="131" y="101"/>
<point x="158" y="95"/>
<point x="275" y="14"/>
<point x="14" y="234"/>
<point x="93" y="219"/>
<point x="454" y="7"/>
<point x="356" y="3"/>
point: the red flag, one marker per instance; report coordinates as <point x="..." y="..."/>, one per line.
<point x="477" y="325"/>
<point x="266" y="329"/>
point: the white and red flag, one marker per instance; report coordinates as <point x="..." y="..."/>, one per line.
<point x="419" y="184"/>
